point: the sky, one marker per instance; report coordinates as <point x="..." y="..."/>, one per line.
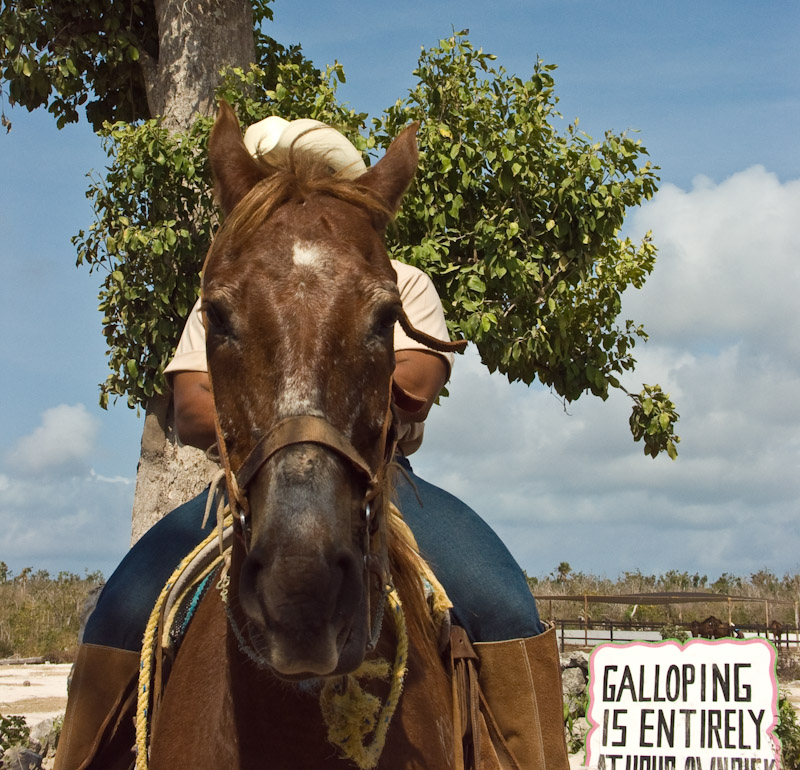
<point x="713" y="90"/>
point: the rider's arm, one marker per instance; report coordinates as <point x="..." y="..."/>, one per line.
<point x="194" y="409"/>
<point x="418" y="372"/>
<point x="423" y="375"/>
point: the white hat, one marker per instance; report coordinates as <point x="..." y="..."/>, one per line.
<point x="274" y="137"/>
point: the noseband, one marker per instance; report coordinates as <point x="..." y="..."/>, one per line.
<point x="310" y="429"/>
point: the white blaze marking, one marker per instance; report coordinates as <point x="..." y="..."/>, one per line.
<point x="298" y="397"/>
<point x="307" y="255"/>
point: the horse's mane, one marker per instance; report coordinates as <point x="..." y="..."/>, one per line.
<point x="407" y="579"/>
<point x="303" y="178"/>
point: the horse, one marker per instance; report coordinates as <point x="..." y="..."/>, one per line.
<point x="300" y="300"/>
<point x="777" y="628"/>
<point x="714" y="628"/>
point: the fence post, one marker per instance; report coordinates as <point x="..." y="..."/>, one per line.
<point x="585" y="621"/>
<point x="562" y="636"/>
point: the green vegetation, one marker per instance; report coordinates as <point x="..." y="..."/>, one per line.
<point x="40" y="615"/>
<point x="514" y="213"/>
<point x="788" y="731"/>
<point x="14" y="731"/>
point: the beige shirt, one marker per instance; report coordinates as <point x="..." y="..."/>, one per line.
<point x="420" y="302"/>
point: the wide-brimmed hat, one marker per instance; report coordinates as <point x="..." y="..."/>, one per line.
<point x="273" y="138"/>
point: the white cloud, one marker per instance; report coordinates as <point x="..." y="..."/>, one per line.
<point x="61" y="444"/>
<point x="722" y="314"/>
<point x="64" y="522"/>
<point x="57" y="513"/>
<point x="727" y="269"/>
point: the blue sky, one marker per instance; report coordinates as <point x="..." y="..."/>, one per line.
<point x="712" y="89"/>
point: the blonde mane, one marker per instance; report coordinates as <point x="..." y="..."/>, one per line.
<point x="303" y="179"/>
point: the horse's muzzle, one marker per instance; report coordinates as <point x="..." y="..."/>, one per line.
<point x="302" y="613"/>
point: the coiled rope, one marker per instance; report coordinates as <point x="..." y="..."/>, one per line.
<point x="150" y="642"/>
<point x="351" y="714"/>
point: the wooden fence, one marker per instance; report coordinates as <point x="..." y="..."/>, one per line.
<point x="577" y="633"/>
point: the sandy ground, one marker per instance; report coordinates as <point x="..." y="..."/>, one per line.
<point x="36" y="692"/>
<point x="39" y="692"/>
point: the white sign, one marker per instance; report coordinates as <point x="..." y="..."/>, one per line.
<point x="704" y="705"/>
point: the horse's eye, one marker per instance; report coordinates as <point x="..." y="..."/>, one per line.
<point x="217" y="319"/>
<point x="385" y="318"/>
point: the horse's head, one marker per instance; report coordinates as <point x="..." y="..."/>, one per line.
<point x="300" y="301"/>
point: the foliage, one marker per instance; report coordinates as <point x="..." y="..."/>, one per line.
<point x="788" y="731"/>
<point x="518" y="226"/>
<point x="671" y="631"/>
<point x="516" y="222"/>
<point x="156" y="217"/>
<point x="149" y="240"/>
<point x="574" y="710"/>
<point x="40" y="615"/>
<point x="782" y="592"/>
<point x="13" y="732"/>
<point x="62" y="55"/>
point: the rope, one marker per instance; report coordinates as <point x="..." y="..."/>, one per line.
<point x="149" y="645"/>
<point x="351" y="713"/>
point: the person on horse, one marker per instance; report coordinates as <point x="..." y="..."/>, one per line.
<point x="491" y="599"/>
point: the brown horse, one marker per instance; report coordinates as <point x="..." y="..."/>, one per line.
<point x="300" y="300"/>
<point x="714" y="628"/>
<point x="776" y="628"/>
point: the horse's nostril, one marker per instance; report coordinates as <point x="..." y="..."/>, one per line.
<point x="350" y="585"/>
<point x="248" y="585"/>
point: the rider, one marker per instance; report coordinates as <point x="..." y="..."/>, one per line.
<point x="488" y="589"/>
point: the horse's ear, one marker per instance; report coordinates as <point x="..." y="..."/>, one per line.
<point x="392" y="174"/>
<point x="234" y="169"/>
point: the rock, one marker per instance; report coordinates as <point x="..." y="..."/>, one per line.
<point x="575" y="659"/>
<point x="579" y="731"/>
<point x="18" y="758"/>
<point x="573" y="683"/>
<point x="44" y="737"/>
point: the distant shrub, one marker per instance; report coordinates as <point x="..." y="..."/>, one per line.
<point x="677" y="633"/>
<point x="40" y="615"/>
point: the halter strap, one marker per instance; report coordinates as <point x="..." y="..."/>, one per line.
<point x="302" y="429"/>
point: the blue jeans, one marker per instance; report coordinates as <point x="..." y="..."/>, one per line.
<point x="489" y="592"/>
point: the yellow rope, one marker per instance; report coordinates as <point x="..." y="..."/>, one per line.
<point x="148" y="654"/>
<point x="351" y="713"/>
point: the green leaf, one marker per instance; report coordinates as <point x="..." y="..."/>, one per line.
<point x="476" y="284"/>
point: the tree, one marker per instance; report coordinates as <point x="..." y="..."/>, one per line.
<point x="126" y="62"/>
<point x="516" y="223"/>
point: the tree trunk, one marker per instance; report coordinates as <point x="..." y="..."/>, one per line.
<point x="197" y="38"/>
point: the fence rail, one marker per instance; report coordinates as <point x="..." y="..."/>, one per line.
<point x="577" y="633"/>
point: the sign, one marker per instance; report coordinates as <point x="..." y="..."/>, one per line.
<point x="704" y="705"/>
